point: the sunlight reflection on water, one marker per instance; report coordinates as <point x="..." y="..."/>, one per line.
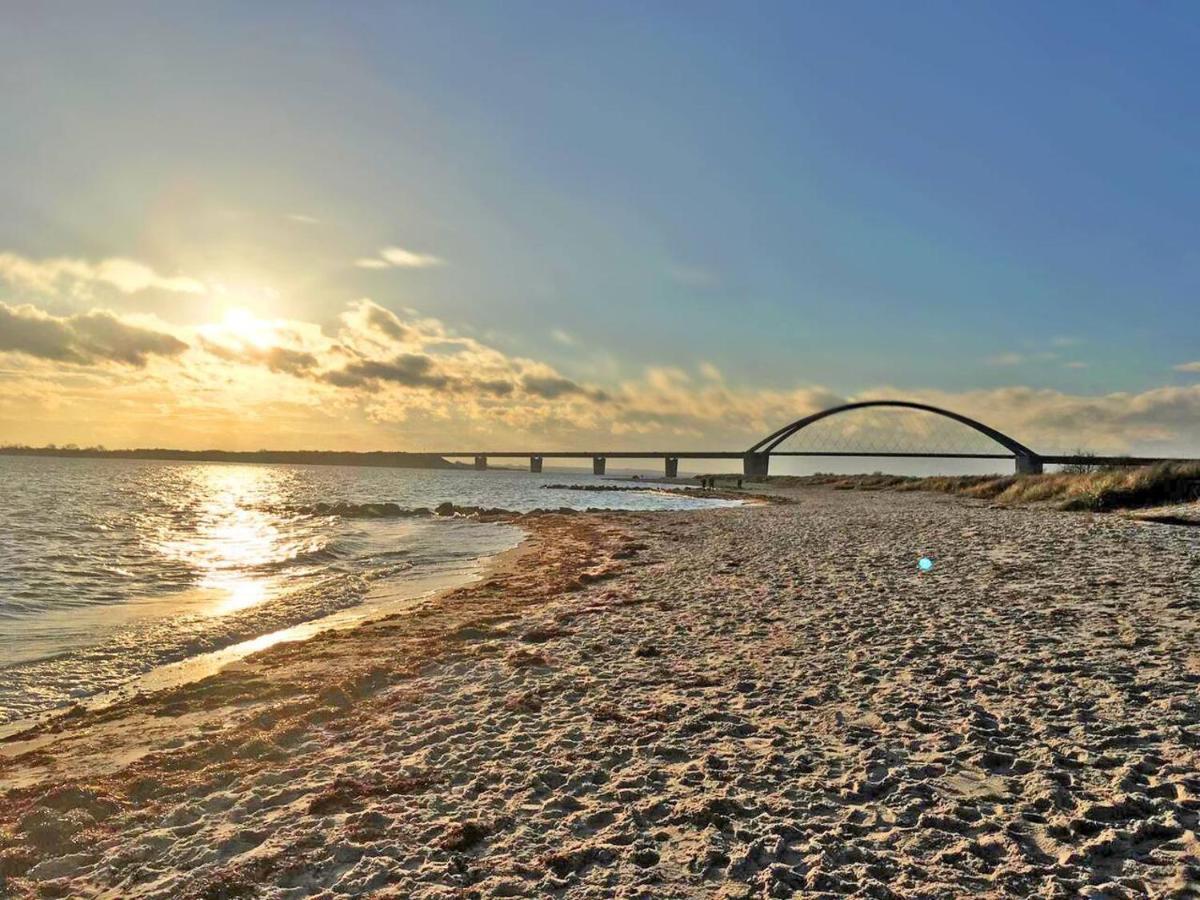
<point x="233" y="538"/>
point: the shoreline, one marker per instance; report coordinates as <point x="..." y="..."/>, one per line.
<point x="538" y="529"/>
<point x="186" y="669"/>
<point x="195" y="668"/>
<point x="748" y="701"/>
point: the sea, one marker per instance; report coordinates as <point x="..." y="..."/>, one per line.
<point x="124" y="575"/>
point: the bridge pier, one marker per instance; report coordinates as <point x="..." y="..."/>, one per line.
<point x="481" y="462"/>
<point x="672" y="467"/>
<point x="1029" y="465"/>
<point x="756" y="464"/>
<point x="535" y="464"/>
<point x="598" y="465"/>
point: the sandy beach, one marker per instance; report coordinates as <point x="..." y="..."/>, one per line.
<point x="766" y="701"/>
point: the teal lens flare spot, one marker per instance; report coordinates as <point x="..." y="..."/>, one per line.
<point x="925" y="564"/>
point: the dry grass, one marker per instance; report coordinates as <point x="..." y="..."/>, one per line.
<point x="876" y="482"/>
<point x="1104" y="489"/>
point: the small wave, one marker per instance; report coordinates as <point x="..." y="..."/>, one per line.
<point x="387" y="570"/>
<point x="315" y="556"/>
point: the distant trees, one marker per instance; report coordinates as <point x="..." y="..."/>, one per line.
<point x="1082" y="467"/>
<point x="292" y="457"/>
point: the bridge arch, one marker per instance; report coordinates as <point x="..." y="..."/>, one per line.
<point x="756" y="456"/>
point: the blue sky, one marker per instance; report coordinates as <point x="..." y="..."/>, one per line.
<point x="948" y="197"/>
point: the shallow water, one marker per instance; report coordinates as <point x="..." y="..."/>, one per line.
<point x="110" y="569"/>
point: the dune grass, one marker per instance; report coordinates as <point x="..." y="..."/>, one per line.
<point x="1125" y="487"/>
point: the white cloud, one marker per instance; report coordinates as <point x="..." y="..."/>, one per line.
<point x="399" y="258"/>
<point x="79" y="275"/>
<point x="1006" y="359"/>
<point x="1188" y="367"/>
<point x="301" y="219"/>
<point x="563" y="337"/>
<point x="711" y="372"/>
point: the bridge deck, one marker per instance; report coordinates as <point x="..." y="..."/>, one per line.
<point x="1049" y="459"/>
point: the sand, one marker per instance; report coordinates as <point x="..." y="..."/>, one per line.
<point x="758" y="702"/>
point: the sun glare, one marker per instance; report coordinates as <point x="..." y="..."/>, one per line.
<point x="233" y="542"/>
<point x="244" y="326"/>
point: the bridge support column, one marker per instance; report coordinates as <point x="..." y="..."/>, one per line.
<point x="672" y="467"/>
<point x="535" y="464"/>
<point x="481" y="462"/>
<point x="598" y="465"/>
<point x="1029" y="465"/>
<point x="755" y="464"/>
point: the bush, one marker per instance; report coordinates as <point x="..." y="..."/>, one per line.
<point x="1083" y="467"/>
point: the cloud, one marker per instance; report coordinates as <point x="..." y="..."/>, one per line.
<point x="407" y="369"/>
<point x="97" y="336"/>
<point x="399" y="258"/>
<point x="1188" y="367"/>
<point x="1032" y="354"/>
<point x="1005" y="359"/>
<point x="280" y="359"/>
<point x="378" y="351"/>
<point x="496" y="387"/>
<point x="550" y="387"/>
<point x="125" y="275"/>
<point x="367" y="321"/>
<point x="384" y="321"/>
<point x="563" y="337"/>
<point x="301" y="219"/>
<point x="378" y="377"/>
<point x="1075" y="364"/>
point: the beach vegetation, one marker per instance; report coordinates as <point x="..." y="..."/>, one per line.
<point x="1097" y="488"/>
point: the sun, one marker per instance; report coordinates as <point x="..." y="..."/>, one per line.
<point x="246" y="327"/>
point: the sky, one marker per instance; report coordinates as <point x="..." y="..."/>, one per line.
<point x="413" y="226"/>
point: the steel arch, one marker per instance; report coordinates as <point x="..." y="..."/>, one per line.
<point x="773" y="440"/>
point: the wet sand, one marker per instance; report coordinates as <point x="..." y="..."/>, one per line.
<point x="756" y="702"/>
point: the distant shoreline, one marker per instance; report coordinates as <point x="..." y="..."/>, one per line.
<point x="375" y="458"/>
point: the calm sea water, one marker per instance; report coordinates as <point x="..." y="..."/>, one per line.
<point x="111" y="569"/>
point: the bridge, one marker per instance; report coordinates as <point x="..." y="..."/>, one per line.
<point x="756" y="460"/>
